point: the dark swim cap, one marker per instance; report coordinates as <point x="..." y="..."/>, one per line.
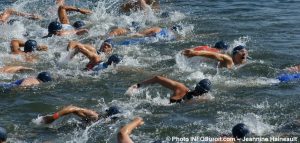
<point x="54" y="27"/>
<point x="237" y="49"/>
<point x="203" y="86"/>
<point x="177" y="27"/>
<point x="240" y="130"/>
<point x="3" y="134"/>
<point x="112" y="111"/>
<point x="30" y="46"/>
<point x="136" y="25"/>
<point x="115" y="58"/>
<point x="165" y="14"/>
<point x="44" y="77"/>
<point x="221" y="45"/>
<point x="78" y="24"/>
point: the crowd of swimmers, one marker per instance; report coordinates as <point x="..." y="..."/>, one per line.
<point x="97" y="62"/>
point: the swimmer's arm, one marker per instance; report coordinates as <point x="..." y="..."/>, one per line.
<point x="293" y="69"/>
<point x="150" y="31"/>
<point x="81" y="10"/>
<point x="14" y="69"/>
<point x="15" y="46"/>
<point x="27" y="15"/>
<point x="70" y="32"/>
<point x="42" y="48"/>
<point x="125" y="131"/>
<point x="168" y="83"/>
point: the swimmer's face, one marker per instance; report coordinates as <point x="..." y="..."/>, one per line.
<point x="106" y="48"/>
<point x="240" y="57"/>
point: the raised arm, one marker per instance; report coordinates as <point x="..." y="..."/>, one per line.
<point x="81" y="112"/>
<point x="14" y="69"/>
<point x="7" y="13"/>
<point x="125" y="131"/>
<point x="223" y="58"/>
<point x="15" y="46"/>
<point x="63" y="9"/>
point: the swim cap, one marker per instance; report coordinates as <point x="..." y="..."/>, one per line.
<point x="115" y="58"/>
<point x="3" y="134"/>
<point x="44" y="77"/>
<point x="240" y="130"/>
<point x="112" y="111"/>
<point x="237" y="49"/>
<point x="78" y="24"/>
<point x="221" y="45"/>
<point x="165" y="14"/>
<point x="54" y="27"/>
<point x="177" y="27"/>
<point x="30" y="46"/>
<point x="135" y="25"/>
<point x="203" y="86"/>
<point x="109" y="42"/>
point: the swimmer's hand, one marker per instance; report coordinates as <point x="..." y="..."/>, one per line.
<point x="35" y="17"/>
<point x="84" y="11"/>
<point x="188" y="53"/>
<point x="293" y="69"/>
<point x="81" y="31"/>
<point x="132" y="90"/>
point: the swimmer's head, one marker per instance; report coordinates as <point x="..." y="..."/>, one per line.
<point x="54" y="27"/>
<point x="165" y="14"/>
<point x="221" y="45"/>
<point x="115" y="58"/>
<point x="3" y="135"/>
<point x="107" y="46"/>
<point x="240" y="131"/>
<point x="112" y="111"/>
<point x="30" y="46"/>
<point x="202" y="87"/>
<point x="44" y="77"/>
<point x="136" y="26"/>
<point x="239" y="55"/>
<point x="78" y="24"/>
<point x="177" y="28"/>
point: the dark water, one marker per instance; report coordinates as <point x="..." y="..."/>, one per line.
<point x="250" y="94"/>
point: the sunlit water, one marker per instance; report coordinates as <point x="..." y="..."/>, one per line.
<point x="250" y="94"/>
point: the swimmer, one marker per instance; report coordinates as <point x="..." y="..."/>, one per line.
<point x="4" y="16"/>
<point x="123" y="31"/>
<point x="125" y="131"/>
<point x="86" y="115"/>
<point x="180" y="91"/>
<point x="14" y="69"/>
<point x="95" y="63"/>
<point x="134" y="5"/>
<point x="56" y="28"/>
<point x="3" y="135"/>
<point x="239" y="56"/>
<point x="239" y="131"/>
<point x="158" y="32"/>
<point x="29" y="46"/>
<point x="30" y="81"/>
<point x="219" y="47"/>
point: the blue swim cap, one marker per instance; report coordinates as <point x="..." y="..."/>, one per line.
<point x="240" y="130"/>
<point x="203" y="86"/>
<point x="112" y="111"/>
<point x="237" y="49"/>
<point x="54" y="27"/>
<point x="165" y="14"/>
<point x="78" y="24"/>
<point x="3" y="134"/>
<point x="177" y="27"/>
<point x="221" y="45"/>
<point x="30" y="46"/>
<point x="109" y="42"/>
<point x="44" y="77"/>
<point x="115" y="58"/>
